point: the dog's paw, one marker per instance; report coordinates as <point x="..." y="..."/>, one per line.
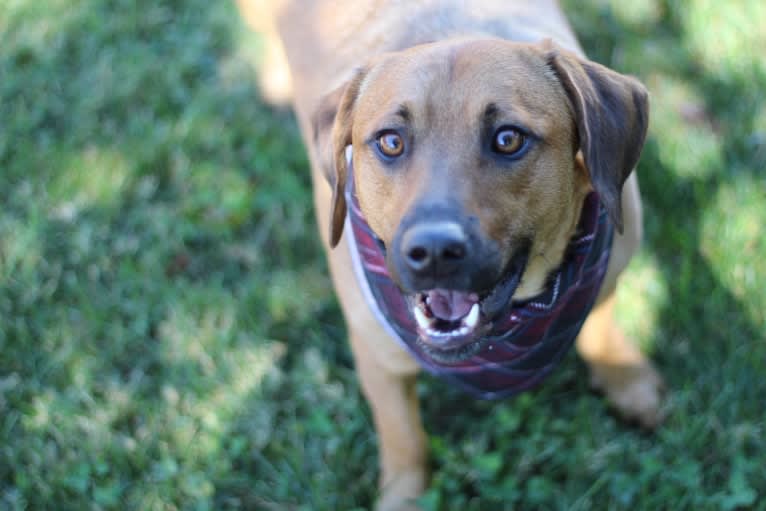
<point x="635" y="391"/>
<point x="402" y="491"/>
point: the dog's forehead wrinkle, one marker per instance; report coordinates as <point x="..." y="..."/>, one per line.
<point x="404" y="111"/>
<point x="441" y="75"/>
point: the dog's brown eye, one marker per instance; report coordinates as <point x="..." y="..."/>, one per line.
<point x="508" y="141"/>
<point x="391" y="144"/>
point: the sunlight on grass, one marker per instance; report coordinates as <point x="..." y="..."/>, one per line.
<point x="738" y="29"/>
<point x="238" y="68"/>
<point x="218" y="195"/>
<point x="641" y="297"/>
<point x="20" y="246"/>
<point x="33" y="25"/>
<point x="205" y="418"/>
<point x="191" y="336"/>
<point x="96" y="177"/>
<point x="214" y="343"/>
<point x="732" y="240"/>
<point x="40" y="415"/>
<point x="688" y="142"/>
<point x="244" y="368"/>
<point x="636" y="12"/>
<point x="297" y="295"/>
<point x="227" y="369"/>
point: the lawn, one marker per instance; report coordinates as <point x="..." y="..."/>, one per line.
<point x="169" y="339"/>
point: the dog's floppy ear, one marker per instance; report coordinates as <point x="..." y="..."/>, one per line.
<point x="612" y="114"/>
<point x="332" y="123"/>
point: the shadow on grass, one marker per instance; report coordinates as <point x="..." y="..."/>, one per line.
<point x="156" y="224"/>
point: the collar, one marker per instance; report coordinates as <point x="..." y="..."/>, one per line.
<point x="527" y="340"/>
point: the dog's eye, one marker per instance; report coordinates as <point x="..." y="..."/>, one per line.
<point x="390" y="144"/>
<point x="508" y="141"/>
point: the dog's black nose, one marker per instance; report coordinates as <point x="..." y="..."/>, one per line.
<point x="435" y="249"/>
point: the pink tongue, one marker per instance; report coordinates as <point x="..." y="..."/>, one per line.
<point x="450" y="305"/>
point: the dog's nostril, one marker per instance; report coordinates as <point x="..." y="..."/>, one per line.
<point x="418" y="255"/>
<point x="435" y="249"/>
<point x="454" y="252"/>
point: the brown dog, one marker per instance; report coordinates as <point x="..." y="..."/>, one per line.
<point x="473" y="136"/>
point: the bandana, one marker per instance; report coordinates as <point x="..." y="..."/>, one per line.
<point x="527" y="338"/>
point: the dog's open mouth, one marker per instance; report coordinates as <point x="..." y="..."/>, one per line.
<point x="451" y="323"/>
<point x="444" y="314"/>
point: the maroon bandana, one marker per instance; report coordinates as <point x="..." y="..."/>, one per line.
<point x="527" y="340"/>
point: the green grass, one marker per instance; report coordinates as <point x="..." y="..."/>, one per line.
<point x="168" y="334"/>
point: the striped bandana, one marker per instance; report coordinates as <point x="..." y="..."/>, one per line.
<point x="527" y="339"/>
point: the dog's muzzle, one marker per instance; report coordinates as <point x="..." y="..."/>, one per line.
<point x="451" y="277"/>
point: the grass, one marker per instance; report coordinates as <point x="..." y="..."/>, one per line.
<point x="168" y="334"/>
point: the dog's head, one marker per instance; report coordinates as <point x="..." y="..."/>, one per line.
<point x="471" y="161"/>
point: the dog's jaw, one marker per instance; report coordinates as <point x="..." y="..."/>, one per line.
<point x="451" y="323"/>
<point x="446" y="318"/>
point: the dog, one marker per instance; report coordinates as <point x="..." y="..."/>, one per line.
<point x="474" y="189"/>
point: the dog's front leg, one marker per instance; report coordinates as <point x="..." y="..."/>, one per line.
<point x="396" y="412"/>
<point x="618" y="368"/>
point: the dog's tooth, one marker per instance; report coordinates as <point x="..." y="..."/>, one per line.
<point x="472" y="319"/>
<point x="349" y="154"/>
<point x="439" y="334"/>
<point x="421" y="318"/>
<point x="432" y="332"/>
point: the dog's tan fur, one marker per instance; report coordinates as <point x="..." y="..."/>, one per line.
<point x="347" y="65"/>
